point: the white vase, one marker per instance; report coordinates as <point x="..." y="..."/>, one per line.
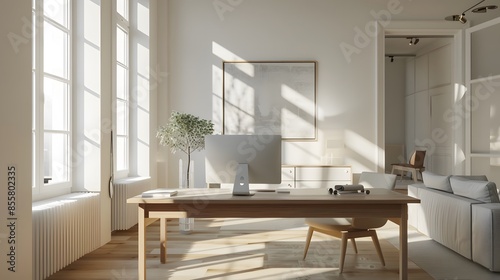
<point x="186" y="225"/>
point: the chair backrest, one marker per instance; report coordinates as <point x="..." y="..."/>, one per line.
<point x="417" y="159"/>
<point x="378" y="180"/>
<point x="374" y="180"/>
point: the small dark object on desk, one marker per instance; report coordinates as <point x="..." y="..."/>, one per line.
<point x="348" y="189"/>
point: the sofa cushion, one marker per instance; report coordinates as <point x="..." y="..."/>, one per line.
<point x="480" y="190"/>
<point x="472" y="177"/>
<point x="435" y="181"/>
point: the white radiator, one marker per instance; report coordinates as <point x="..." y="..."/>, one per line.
<point x="123" y="215"/>
<point x="64" y="229"/>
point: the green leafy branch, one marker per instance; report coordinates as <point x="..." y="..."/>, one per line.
<point x="185" y="132"/>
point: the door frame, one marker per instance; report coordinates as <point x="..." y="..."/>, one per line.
<point x="420" y="28"/>
<point x="469" y="153"/>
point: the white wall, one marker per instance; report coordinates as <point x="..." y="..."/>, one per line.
<point x="201" y="34"/>
<point x="427" y="127"/>
<point x="200" y="38"/>
<point x="484" y="143"/>
<point x="162" y="101"/>
<point x="395" y="86"/>
<point x="15" y="143"/>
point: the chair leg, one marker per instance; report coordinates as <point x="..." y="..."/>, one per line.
<point x="342" y="252"/>
<point x="377" y="246"/>
<point x="353" y="241"/>
<point x="308" y="241"/>
<point x="414" y="175"/>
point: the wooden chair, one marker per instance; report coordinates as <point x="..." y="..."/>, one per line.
<point x="351" y="228"/>
<point x="415" y="165"/>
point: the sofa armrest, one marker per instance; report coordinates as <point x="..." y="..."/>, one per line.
<point x="414" y="209"/>
<point x="486" y="235"/>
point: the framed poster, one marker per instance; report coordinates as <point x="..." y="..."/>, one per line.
<point x="270" y="97"/>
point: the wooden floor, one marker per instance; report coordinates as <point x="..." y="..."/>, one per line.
<point x="230" y="249"/>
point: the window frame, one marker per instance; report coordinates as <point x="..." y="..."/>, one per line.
<point x="40" y="189"/>
<point x="123" y="23"/>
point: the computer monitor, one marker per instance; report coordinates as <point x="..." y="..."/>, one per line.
<point x="243" y="160"/>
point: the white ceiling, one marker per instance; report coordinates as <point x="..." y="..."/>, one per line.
<point x="401" y="45"/>
<point x="438" y="9"/>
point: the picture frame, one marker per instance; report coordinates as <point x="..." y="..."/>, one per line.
<point x="270" y="97"/>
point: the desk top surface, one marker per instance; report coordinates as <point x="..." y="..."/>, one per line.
<point x="296" y="196"/>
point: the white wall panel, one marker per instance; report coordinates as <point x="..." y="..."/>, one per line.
<point x="440" y="67"/>
<point x="410" y="125"/>
<point x="410" y="76"/>
<point x="421" y="73"/>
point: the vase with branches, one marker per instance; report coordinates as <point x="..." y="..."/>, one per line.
<point x="186" y="133"/>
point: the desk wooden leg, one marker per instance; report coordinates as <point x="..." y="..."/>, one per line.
<point x="163" y="240"/>
<point x="142" y="244"/>
<point x="403" y="243"/>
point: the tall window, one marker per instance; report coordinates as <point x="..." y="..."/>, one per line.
<point x="122" y="96"/>
<point x="51" y="95"/>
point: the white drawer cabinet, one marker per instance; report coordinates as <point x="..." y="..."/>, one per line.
<point x="308" y="176"/>
<point x="317" y="176"/>
<point x="287" y="173"/>
<point x="323" y="173"/>
<point x="287" y="177"/>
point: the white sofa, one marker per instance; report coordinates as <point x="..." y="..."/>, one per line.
<point x="460" y="212"/>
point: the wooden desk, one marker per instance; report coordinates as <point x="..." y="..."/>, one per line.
<point x="219" y="203"/>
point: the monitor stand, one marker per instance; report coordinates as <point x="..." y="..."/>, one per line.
<point x="241" y="187"/>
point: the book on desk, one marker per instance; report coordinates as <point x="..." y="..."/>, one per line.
<point x="159" y="193"/>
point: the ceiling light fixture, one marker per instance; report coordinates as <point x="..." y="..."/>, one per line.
<point x="392" y="56"/>
<point x="484" y="9"/>
<point x="461" y="18"/>
<point x="413" y="41"/>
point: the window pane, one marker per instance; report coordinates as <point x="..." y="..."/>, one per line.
<point x="121" y="46"/>
<point x="122" y="8"/>
<point x="55" y="108"/>
<point x="121" y="82"/>
<point x="33" y="159"/>
<point x="56" y="157"/>
<point x="34" y="101"/>
<point x="33" y="49"/>
<point x="121" y="118"/>
<point x="56" y="10"/>
<point x="55" y="46"/>
<point x="121" y="153"/>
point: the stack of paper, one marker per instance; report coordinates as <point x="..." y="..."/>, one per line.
<point x="159" y="193"/>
